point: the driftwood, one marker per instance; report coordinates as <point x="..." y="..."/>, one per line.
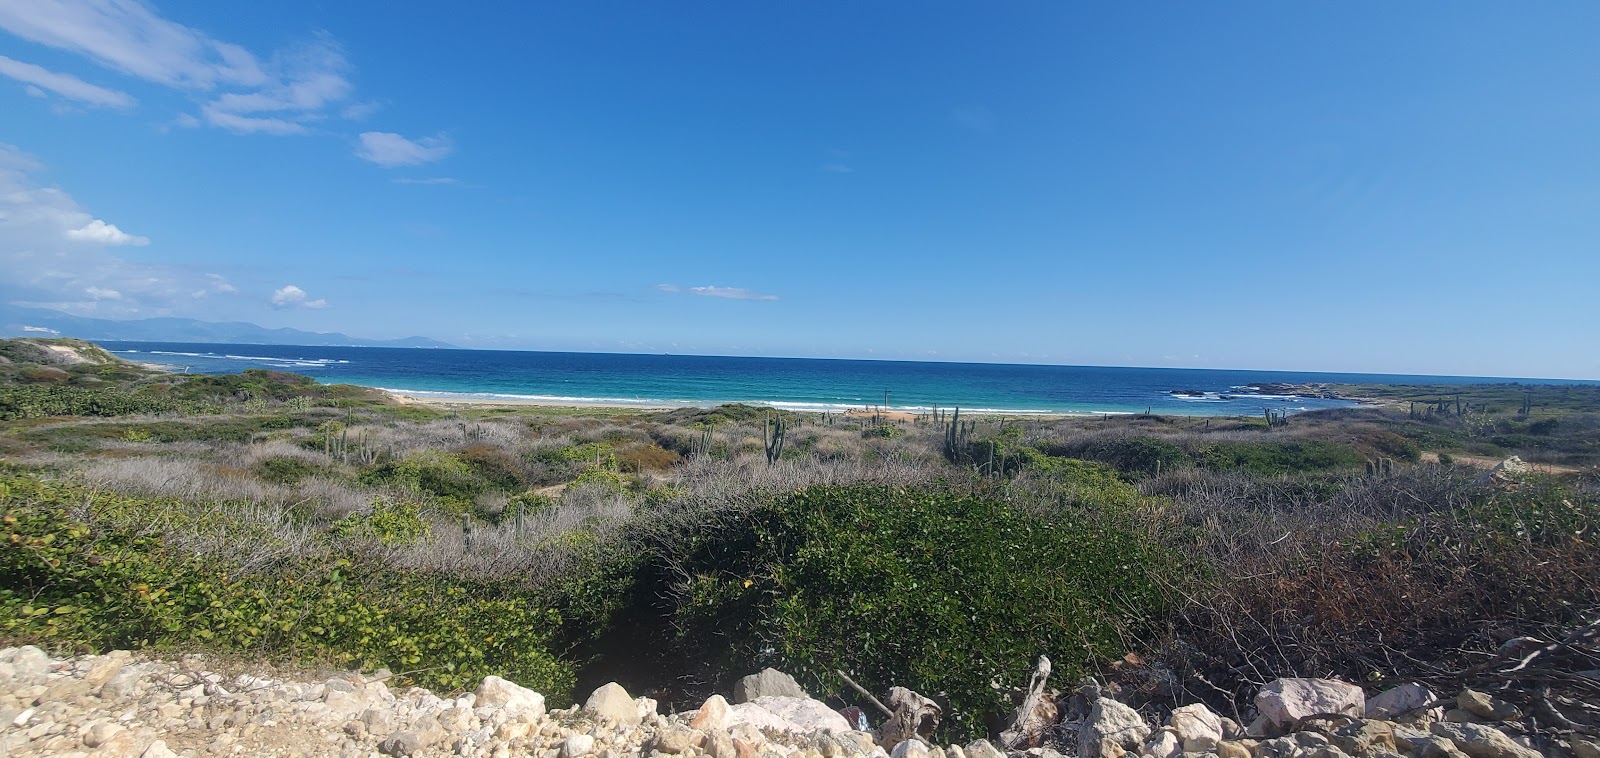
<point x="1024" y="727"/>
<point x="862" y="691"/>
<point x="915" y="717"/>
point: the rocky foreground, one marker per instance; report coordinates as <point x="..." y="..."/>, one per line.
<point x="123" y="705"/>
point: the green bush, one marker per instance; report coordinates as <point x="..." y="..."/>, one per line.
<point x="389" y="522"/>
<point x="934" y="590"/>
<point x="434" y="473"/>
<point x="284" y="469"/>
<point x="1278" y="457"/>
<point x="66" y="584"/>
<point x="43" y="400"/>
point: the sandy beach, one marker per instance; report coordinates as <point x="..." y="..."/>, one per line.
<point x="479" y="402"/>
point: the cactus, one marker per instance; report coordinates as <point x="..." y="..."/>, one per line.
<point x="773" y="432"/>
<point x="955" y="436"/>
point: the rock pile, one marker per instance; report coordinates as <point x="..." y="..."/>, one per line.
<point x="121" y="705"/>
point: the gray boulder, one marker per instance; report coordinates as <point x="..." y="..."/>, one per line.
<point x="767" y="683"/>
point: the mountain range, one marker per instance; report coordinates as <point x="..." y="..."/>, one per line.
<point x="18" y="321"/>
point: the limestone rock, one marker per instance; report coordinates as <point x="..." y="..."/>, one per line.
<point x="1402" y="699"/>
<point x="612" y="702"/>
<point x="788" y="714"/>
<point x="577" y="745"/>
<point x="1436" y="747"/>
<point x="401" y="744"/>
<point x="912" y="748"/>
<point x="1483" y="706"/>
<point x="158" y="749"/>
<point x="1111" y="730"/>
<point x="1198" y="728"/>
<point x="1164" y="744"/>
<point x="1366" y="737"/>
<point x="712" y="715"/>
<point x="1584" y="749"/>
<point x="1285" y="701"/>
<point x="983" y="749"/>
<point x="1231" y="749"/>
<point x="1480" y="741"/>
<point x="511" y="696"/>
<point x="101" y="733"/>
<point x="675" y="740"/>
<point x="767" y="683"/>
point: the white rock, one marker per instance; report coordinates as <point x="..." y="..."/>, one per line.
<point x="1286" y="701"/>
<point x="1197" y="727"/>
<point x="509" y="695"/>
<point x="1111" y="729"/>
<point x="1164" y="744"/>
<point x="1397" y="700"/>
<point x="647" y="708"/>
<point x="158" y="749"/>
<point x="788" y="714"/>
<point x="613" y="702"/>
<point x="577" y="745"/>
<point x="911" y="749"/>
<point x="983" y="749"/>
<point x="1482" y="741"/>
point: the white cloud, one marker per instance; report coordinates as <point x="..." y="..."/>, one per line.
<point x="727" y="293"/>
<point x="56" y="254"/>
<point x="836" y="168"/>
<point x="106" y="234"/>
<point x="215" y="284"/>
<point x="280" y="93"/>
<point x="388" y="149"/>
<point x="290" y="296"/>
<point x="65" y="85"/>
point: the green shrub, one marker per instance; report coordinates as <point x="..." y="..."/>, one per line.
<point x="285" y="469"/>
<point x="389" y="522"/>
<point x="1278" y="457"/>
<point x="65" y="584"/>
<point x="1131" y="454"/>
<point x="934" y="590"/>
<point x="882" y="432"/>
<point x="434" y="473"/>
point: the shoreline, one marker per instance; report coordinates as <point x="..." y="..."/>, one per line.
<point x="487" y="402"/>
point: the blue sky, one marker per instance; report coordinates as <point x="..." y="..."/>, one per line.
<point x="1399" y="187"/>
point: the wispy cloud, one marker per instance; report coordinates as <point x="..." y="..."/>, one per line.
<point x="40" y="79"/>
<point x="283" y="92"/>
<point x="389" y="150"/>
<point x="430" y="180"/>
<point x="834" y="167"/>
<point x="290" y="296"/>
<point x="726" y="293"/>
<point x="56" y="254"/>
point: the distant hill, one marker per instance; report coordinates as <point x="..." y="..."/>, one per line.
<point x="41" y="322"/>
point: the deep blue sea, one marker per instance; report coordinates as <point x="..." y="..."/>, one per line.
<point x="790" y="383"/>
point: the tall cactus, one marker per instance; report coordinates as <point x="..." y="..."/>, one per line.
<point x="773" y="431"/>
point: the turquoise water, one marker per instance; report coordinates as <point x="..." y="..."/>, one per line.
<point x="791" y="383"/>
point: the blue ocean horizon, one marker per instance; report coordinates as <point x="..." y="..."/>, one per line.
<point x="801" y="384"/>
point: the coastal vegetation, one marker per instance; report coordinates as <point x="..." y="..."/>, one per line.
<point x="263" y="513"/>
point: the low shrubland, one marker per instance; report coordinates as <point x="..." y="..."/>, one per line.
<point x="665" y="551"/>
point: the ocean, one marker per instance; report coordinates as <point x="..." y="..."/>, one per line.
<point x="802" y="384"/>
